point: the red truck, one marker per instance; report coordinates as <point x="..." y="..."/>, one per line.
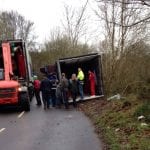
<point x="15" y="74"/>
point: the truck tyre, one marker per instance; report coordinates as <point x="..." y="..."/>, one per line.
<point x="24" y="99"/>
<point x="27" y="106"/>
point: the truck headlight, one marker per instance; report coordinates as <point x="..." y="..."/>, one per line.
<point x="22" y="89"/>
<point x="19" y="89"/>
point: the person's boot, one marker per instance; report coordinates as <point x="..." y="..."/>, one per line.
<point x="75" y="105"/>
<point x="38" y="104"/>
<point x="66" y="107"/>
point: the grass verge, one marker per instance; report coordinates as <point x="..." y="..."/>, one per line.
<point x="117" y="124"/>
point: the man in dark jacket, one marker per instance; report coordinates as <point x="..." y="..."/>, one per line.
<point x="45" y="87"/>
<point x="58" y="95"/>
<point x="53" y="79"/>
<point x="64" y="88"/>
<point x="73" y="86"/>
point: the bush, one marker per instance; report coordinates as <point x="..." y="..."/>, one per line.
<point x="144" y="91"/>
<point x="144" y="110"/>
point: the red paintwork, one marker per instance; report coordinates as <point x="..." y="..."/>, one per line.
<point x="7" y="60"/>
<point x="6" y="98"/>
<point x="8" y="87"/>
<point x="13" y="100"/>
<point x="9" y="84"/>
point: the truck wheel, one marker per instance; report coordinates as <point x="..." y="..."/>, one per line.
<point x="25" y="104"/>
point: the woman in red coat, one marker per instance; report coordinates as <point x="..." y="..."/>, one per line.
<point x="92" y="82"/>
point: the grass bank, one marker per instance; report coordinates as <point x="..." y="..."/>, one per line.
<point x="117" y="124"/>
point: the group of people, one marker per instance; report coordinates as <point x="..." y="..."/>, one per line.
<point x="57" y="92"/>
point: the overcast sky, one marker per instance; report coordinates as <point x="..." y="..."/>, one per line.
<point x="46" y="14"/>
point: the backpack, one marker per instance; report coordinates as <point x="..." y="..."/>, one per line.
<point x="36" y="84"/>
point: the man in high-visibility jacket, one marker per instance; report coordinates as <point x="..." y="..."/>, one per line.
<point x="80" y="78"/>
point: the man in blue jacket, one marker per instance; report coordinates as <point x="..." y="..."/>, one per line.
<point x="46" y="87"/>
<point x="53" y="79"/>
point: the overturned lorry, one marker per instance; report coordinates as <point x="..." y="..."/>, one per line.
<point x="15" y="74"/>
<point x="70" y="65"/>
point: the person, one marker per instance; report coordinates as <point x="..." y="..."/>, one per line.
<point x="80" y="78"/>
<point x="45" y="88"/>
<point x="92" y="82"/>
<point x="64" y="88"/>
<point x="58" y="95"/>
<point x="73" y="86"/>
<point x="53" y="78"/>
<point x="36" y="85"/>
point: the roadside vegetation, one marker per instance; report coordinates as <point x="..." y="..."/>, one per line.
<point x="126" y="63"/>
<point x="124" y="44"/>
<point x="117" y="123"/>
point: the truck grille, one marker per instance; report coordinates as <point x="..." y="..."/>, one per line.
<point x="4" y="90"/>
<point x="8" y="95"/>
<point x="7" y="92"/>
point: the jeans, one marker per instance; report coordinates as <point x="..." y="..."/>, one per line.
<point x="81" y="90"/>
<point x="58" y="101"/>
<point x="53" y="98"/>
<point x="46" y="99"/>
<point x="65" y="98"/>
<point x="38" y="98"/>
<point x="74" y="96"/>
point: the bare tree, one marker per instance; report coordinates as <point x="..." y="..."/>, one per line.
<point x="75" y="22"/>
<point x="126" y="22"/>
<point x="14" y="25"/>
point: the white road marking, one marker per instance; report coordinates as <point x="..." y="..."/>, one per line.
<point x="1" y="130"/>
<point x="21" y="114"/>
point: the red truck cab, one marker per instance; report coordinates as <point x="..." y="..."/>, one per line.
<point x="14" y="74"/>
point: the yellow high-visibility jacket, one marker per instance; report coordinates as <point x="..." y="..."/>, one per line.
<point x="80" y="75"/>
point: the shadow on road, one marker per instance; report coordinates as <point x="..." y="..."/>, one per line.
<point x="9" y="110"/>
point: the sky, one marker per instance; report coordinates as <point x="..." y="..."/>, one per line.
<point x="46" y="14"/>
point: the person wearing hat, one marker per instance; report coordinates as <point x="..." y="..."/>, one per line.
<point x="64" y="88"/>
<point x="45" y="88"/>
<point x="53" y="79"/>
<point x="73" y="86"/>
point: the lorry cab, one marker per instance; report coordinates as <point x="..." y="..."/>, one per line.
<point x="15" y="74"/>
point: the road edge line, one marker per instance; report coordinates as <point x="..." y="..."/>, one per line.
<point x="21" y="114"/>
<point x="2" y="129"/>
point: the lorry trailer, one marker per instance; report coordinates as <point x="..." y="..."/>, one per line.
<point x="70" y="65"/>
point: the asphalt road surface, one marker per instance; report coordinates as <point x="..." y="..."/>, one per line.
<point x="54" y="129"/>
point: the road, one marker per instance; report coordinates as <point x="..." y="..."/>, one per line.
<point x="54" y="129"/>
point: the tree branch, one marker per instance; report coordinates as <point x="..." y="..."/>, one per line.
<point x="143" y="2"/>
<point x="131" y="25"/>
